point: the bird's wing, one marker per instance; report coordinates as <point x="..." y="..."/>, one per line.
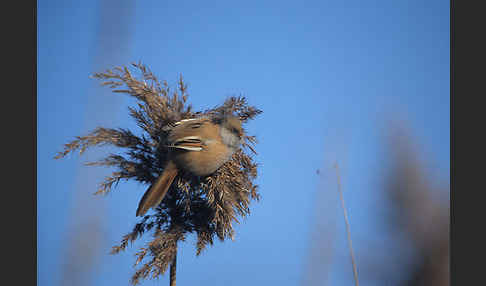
<point x="188" y="134"/>
<point x="190" y="143"/>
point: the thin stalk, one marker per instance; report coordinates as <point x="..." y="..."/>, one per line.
<point x="173" y="268"/>
<point x="350" y="243"/>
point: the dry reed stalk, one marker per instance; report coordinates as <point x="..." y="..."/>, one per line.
<point x="350" y="242"/>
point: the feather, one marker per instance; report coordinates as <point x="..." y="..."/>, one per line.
<point x="190" y="143"/>
<point x="188" y="148"/>
<point x="156" y="192"/>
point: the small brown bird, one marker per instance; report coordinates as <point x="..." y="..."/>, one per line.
<point x="199" y="146"/>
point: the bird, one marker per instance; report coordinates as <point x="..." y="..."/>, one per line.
<point x="197" y="145"/>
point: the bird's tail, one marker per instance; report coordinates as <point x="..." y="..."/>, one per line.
<point x="156" y="192"/>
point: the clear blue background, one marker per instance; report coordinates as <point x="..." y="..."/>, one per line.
<point x="329" y="76"/>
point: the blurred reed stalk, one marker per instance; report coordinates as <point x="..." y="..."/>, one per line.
<point x="350" y="242"/>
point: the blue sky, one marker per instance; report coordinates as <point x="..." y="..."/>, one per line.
<point x="328" y="75"/>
